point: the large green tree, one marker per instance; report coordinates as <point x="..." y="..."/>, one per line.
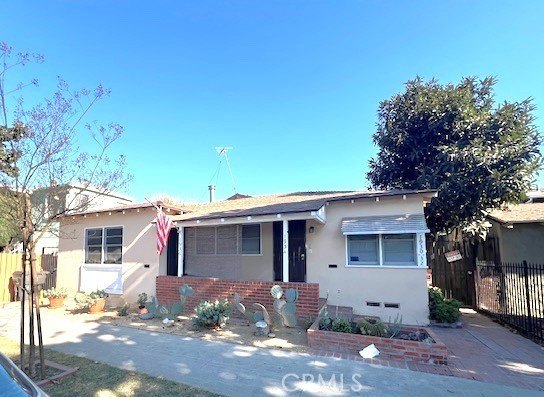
<point x="478" y="154"/>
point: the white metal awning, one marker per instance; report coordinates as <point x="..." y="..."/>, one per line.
<point x="393" y="224"/>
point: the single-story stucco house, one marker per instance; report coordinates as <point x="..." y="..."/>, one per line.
<point x="361" y="249"/>
<point x="517" y="233"/>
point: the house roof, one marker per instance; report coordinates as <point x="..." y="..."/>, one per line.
<point x="520" y="213"/>
<point x="129" y="207"/>
<point x="280" y="203"/>
<point x="385" y="224"/>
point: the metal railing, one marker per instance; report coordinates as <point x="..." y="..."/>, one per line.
<point x="513" y="293"/>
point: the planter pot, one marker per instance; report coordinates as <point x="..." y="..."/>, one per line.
<point x="142" y="310"/>
<point x="98" y="306"/>
<point x="55" y="303"/>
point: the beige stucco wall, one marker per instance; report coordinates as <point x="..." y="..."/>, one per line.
<point x="521" y="242"/>
<point x="354" y="286"/>
<point x="237" y="267"/>
<point x="139" y="249"/>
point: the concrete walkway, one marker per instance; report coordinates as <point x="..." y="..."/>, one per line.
<point x="236" y="370"/>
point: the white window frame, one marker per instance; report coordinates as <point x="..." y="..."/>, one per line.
<point x="103" y="250"/>
<point x="381" y="253"/>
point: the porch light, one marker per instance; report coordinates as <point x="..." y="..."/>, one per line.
<point x="311" y="229"/>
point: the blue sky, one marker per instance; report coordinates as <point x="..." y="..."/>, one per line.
<point x="293" y="86"/>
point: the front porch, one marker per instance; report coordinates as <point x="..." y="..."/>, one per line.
<point x="252" y="248"/>
<point x="250" y="292"/>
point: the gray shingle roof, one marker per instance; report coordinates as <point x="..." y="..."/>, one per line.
<point x="385" y="224"/>
<point x="280" y="203"/>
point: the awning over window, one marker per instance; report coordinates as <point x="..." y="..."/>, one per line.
<point x="389" y="224"/>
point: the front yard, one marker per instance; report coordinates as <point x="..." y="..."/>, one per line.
<point x="94" y="379"/>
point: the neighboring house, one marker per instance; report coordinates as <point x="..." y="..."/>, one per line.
<point x="518" y="233"/>
<point x="58" y="199"/>
<point x="366" y="250"/>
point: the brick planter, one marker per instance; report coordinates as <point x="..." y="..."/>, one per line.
<point x="399" y="349"/>
<point x="250" y="292"/>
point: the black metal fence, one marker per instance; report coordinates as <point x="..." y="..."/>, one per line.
<point x="513" y="293"/>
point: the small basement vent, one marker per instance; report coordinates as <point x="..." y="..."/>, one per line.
<point x="373" y="304"/>
<point x="391" y="305"/>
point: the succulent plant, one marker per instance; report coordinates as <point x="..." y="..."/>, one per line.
<point x="286" y="308"/>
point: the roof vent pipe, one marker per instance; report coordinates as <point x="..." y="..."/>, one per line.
<point x="211" y="188"/>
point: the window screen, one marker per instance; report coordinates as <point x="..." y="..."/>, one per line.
<point x="205" y="240"/>
<point x="227" y="240"/>
<point x="113" y="247"/>
<point x="399" y="250"/>
<point x="363" y="250"/>
<point x="250" y="237"/>
<point x="93" y="246"/>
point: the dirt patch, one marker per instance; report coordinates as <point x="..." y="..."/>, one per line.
<point x="237" y="331"/>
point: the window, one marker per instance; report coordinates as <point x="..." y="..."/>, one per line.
<point x="104" y="245"/>
<point x="363" y="250"/>
<point x="399" y="250"/>
<point x="381" y="250"/>
<point x="113" y="247"/>
<point x="93" y="246"/>
<point x="228" y="240"/>
<point x="250" y="239"/>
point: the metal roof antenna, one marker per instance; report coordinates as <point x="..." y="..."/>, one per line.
<point x="223" y="151"/>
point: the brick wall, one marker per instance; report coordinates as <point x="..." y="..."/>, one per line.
<point x="394" y="348"/>
<point x="249" y="291"/>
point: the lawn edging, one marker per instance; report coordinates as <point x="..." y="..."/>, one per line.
<point x="400" y="349"/>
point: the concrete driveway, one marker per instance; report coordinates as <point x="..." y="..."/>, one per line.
<point x="243" y="371"/>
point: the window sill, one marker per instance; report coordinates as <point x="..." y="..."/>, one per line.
<point x="384" y="267"/>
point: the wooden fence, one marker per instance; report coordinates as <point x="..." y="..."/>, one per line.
<point x="10" y="263"/>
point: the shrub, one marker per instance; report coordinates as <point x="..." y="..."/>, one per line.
<point x="443" y="310"/>
<point x="341" y="325"/>
<point x="212" y="314"/>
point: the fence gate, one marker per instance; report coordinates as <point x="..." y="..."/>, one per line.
<point x="48" y="263"/>
<point x="513" y="293"/>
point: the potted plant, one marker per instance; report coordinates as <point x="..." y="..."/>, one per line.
<point x="95" y="301"/>
<point x="142" y="300"/>
<point x="56" y="297"/>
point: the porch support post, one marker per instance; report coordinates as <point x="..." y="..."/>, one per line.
<point x="181" y="249"/>
<point x="285" y="251"/>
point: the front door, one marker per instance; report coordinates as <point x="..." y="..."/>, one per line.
<point x="172" y="253"/>
<point x="297" y="251"/>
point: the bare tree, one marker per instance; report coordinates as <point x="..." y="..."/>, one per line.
<point x="54" y="148"/>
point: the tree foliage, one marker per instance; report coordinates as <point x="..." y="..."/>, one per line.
<point x="455" y="139"/>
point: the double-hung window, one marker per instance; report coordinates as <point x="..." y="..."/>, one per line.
<point x="104" y="245"/>
<point x="250" y="239"/>
<point x="381" y="250"/>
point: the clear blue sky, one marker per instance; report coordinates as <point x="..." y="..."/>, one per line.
<point x="293" y="86"/>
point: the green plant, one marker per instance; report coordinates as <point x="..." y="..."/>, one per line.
<point x="287" y="307"/>
<point x="142" y="300"/>
<point x="55" y="293"/>
<point x="443" y="310"/>
<point x="395" y="326"/>
<point x="308" y="322"/>
<point x="212" y="314"/>
<point x="341" y="325"/>
<point x="372" y="326"/>
<point x="123" y="310"/>
<point x="90" y="298"/>
<point x="165" y="310"/>
<point x="325" y="323"/>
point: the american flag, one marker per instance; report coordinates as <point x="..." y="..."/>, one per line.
<point x="164" y="224"/>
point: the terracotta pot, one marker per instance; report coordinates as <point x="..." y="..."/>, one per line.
<point x="56" y="302"/>
<point x="142" y="310"/>
<point x="98" y="306"/>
